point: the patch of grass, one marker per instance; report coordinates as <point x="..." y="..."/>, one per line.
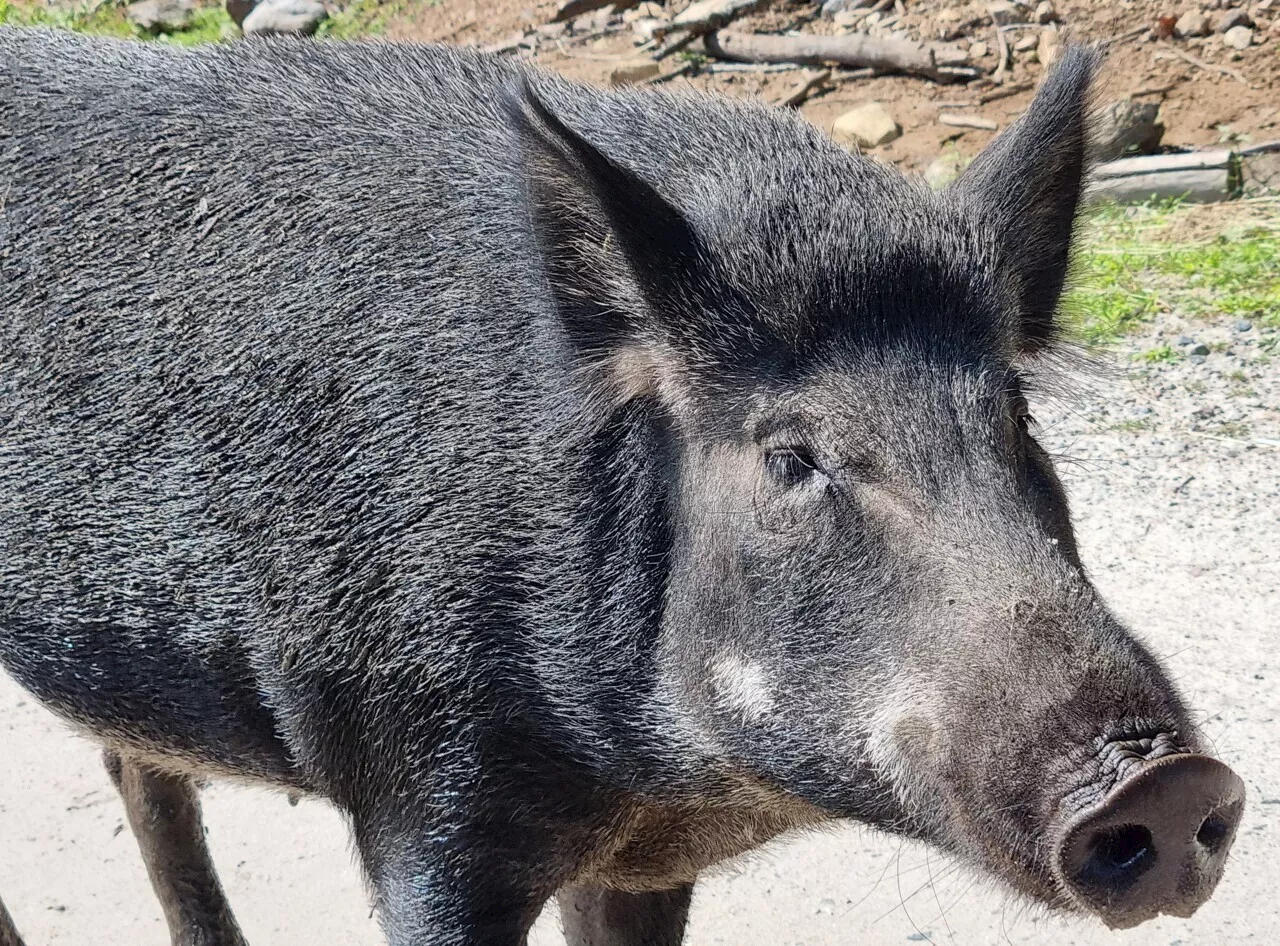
<point x="1195" y="387"/>
<point x="1232" y="428"/>
<point x="1125" y="272"/>
<point x="362" y="19"/>
<point x="1160" y="354"/>
<point x="209" y="23"/>
<point x="102" y="18"/>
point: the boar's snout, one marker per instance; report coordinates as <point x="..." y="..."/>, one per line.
<point x="1157" y="843"/>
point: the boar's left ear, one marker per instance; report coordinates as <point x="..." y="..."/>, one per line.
<point x="1028" y="183"/>
<point x="617" y="252"/>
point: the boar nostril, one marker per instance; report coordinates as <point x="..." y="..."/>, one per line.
<point x="1213" y="831"/>
<point x="1157" y="843"/>
<point x="1120" y="856"/>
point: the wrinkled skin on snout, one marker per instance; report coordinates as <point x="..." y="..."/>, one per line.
<point x="876" y="601"/>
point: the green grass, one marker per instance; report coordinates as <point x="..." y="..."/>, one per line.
<point x="209" y="24"/>
<point x="1160" y="354"/>
<point x="1125" y="272"/>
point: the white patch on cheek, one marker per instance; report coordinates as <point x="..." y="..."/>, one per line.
<point x="742" y="686"/>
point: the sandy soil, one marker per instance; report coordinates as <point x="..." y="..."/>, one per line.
<point x="1179" y="517"/>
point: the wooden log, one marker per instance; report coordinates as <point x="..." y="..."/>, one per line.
<point x="855" y="49"/>
<point x="1199" y="177"/>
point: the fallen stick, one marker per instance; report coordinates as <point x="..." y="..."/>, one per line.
<point x="854" y="49"/>
<point x="1200" y="63"/>
<point x="810" y="83"/>
<point x="998" y="94"/>
<point x="683" y="70"/>
<point x="968" y="121"/>
<point x="1003" y="66"/>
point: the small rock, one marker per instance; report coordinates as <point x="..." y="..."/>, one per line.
<point x="239" y="9"/>
<point x="297" y="17"/>
<point x="978" y="50"/>
<point x="1238" y="37"/>
<point x="831" y="7"/>
<point x="1191" y="23"/>
<point x="867" y="126"/>
<point x="552" y="30"/>
<point x="944" y="169"/>
<point x="161" y="16"/>
<point x="1201" y="349"/>
<point x="1243" y="325"/>
<point x="1197" y="359"/>
<point x="1045" y="13"/>
<point x="847" y="18"/>
<point x="1026" y="43"/>
<point x="632" y="71"/>
<point x="646" y="28"/>
<point x="648" y="8"/>
<point x="1126" y="127"/>
<point x="1184" y="340"/>
<point x="1004" y="12"/>
<point x="1230" y="18"/>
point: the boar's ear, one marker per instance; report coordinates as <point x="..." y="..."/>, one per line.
<point x="617" y="252"/>
<point x="1028" y="183"/>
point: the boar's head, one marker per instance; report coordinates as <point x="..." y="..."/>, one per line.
<point x="872" y="598"/>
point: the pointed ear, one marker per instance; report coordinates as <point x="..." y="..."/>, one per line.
<point x="1028" y="184"/>
<point x="617" y="253"/>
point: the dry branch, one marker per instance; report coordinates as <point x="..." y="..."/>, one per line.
<point x="968" y="121"/>
<point x="809" y="83"/>
<point x="854" y="49"/>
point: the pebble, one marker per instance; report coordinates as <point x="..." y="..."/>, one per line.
<point x="1185" y="340"/>
<point x="1027" y="43"/>
<point x="1045" y="13"/>
<point x="1191" y="23"/>
<point x="1238" y="37"/>
<point x="831" y="7"/>
<point x="1004" y="13"/>
<point x="297" y="17"/>
<point x="1230" y="18"/>
<point x="1243" y="325"/>
<point x="867" y="126"/>
<point x="978" y="50"/>
<point x="1197" y="359"/>
<point x="1201" y="349"/>
<point x="161" y="16"/>
<point x="239" y="9"/>
<point x="1126" y="127"/>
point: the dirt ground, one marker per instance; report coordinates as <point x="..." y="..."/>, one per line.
<point x="1200" y="106"/>
<point x="1179" y="523"/>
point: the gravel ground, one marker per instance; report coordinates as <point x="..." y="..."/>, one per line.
<point x="1175" y="474"/>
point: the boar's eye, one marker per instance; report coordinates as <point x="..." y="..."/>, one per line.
<point x="1022" y="413"/>
<point x="790" y="466"/>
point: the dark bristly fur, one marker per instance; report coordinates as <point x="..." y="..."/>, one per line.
<point x="577" y="488"/>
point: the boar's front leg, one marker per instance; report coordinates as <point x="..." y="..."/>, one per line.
<point x="596" y="916"/>
<point x="164" y="812"/>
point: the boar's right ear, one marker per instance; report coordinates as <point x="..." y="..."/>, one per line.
<point x="1028" y="183"/>
<point x="617" y="252"/>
